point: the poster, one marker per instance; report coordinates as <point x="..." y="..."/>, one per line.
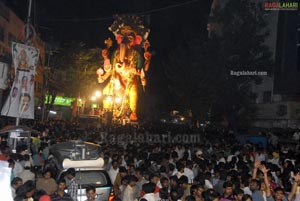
<point x="20" y="102"/>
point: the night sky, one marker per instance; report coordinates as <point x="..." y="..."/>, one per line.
<point x="88" y="21"/>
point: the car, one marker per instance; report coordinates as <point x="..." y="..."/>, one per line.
<point x="85" y="159"/>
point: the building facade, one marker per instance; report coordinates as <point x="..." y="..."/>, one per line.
<point x="12" y="29"/>
<point x="278" y="94"/>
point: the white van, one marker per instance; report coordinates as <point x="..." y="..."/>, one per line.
<point x="84" y="158"/>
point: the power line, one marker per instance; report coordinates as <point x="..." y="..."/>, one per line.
<point x="137" y="13"/>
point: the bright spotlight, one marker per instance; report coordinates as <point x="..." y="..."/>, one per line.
<point x="98" y="93"/>
<point x="109" y="99"/>
<point x="118" y="100"/>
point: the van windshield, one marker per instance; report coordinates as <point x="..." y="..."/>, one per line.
<point x="95" y="177"/>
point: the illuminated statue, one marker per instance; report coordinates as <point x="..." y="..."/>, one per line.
<point x="126" y="66"/>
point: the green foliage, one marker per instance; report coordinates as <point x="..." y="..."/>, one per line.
<point x="80" y="65"/>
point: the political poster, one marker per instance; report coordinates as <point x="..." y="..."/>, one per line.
<point x="20" y="102"/>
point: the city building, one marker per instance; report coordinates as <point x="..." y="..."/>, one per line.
<point x="278" y="94"/>
<point x="12" y="29"/>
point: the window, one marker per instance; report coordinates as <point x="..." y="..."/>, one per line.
<point x="267" y="97"/>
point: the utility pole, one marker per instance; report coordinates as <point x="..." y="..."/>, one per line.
<point x="29" y="32"/>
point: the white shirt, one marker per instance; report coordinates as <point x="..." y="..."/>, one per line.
<point x="27" y="175"/>
<point x="128" y="194"/>
<point x="113" y="174"/>
<point x="149" y="197"/>
<point x="17" y="169"/>
<point x="208" y="184"/>
<point x="190" y="174"/>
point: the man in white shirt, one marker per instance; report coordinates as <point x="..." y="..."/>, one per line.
<point x="113" y="171"/>
<point x="129" y="193"/>
<point x="149" y="189"/>
<point x="27" y="174"/>
<point x="188" y="171"/>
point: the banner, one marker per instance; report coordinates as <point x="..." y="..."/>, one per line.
<point x="20" y="102"/>
<point x="3" y="75"/>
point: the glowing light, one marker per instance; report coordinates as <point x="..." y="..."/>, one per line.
<point x="52" y="112"/>
<point x="109" y="99"/>
<point x="118" y="100"/>
<point x="98" y="94"/>
<point x="93" y="98"/>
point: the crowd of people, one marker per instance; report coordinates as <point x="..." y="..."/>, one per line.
<point x="216" y="167"/>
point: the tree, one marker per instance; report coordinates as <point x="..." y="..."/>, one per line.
<point x="242" y="48"/>
<point x="200" y="73"/>
<point x="74" y="71"/>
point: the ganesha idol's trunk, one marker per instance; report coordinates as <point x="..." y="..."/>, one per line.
<point x="122" y="52"/>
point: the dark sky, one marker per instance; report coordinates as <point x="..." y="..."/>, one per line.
<point x="170" y="22"/>
<point x="88" y="20"/>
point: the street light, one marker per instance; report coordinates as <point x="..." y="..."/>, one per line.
<point x="118" y="100"/>
<point x="98" y="94"/>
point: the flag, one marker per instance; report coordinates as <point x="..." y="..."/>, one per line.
<point x="20" y="102"/>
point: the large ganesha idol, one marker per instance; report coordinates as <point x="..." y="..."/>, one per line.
<point x="125" y="67"/>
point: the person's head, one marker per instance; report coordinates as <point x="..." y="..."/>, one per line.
<point x="183" y="182"/>
<point x="24" y="81"/>
<point x="47" y="174"/>
<point x="190" y="198"/>
<point x="211" y="195"/>
<point x="11" y="163"/>
<point x="174" y="195"/>
<point x="228" y="188"/>
<point x="262" y="185"/>
<point x="31" y="79"/>
<point x="91" y="193"/>
<point x="238" y="194"/>
<point x="25" y="102"/>
<point x="148" y="188"/>
<point x="154" y="178"/>
<point x="26" y="190"/>
<point x="139" y="173"/>
<point x="132" y="180"/>
<point x="16" y="182"/>
<point x="61" y="184"/>
<point x="115" y="164"/>
<point x="254" y="185"/>
<point x="197" y="190"/>
<point x="123" y="171"/>
<point x="163" y="193"/>
<point x="279" y="193"/>
<point x="15" y="92"/>
<point x="71" y="173"/>
<point x="173" y="181"/>
<point x="164" y="182"/>
<point x="199" y="154"/>
<point x="247" y="197"/>
<point x="180" y="167"/>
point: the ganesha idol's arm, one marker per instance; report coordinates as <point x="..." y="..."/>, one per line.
<point x="147" y="65"/>
<point x="104" y="77"/>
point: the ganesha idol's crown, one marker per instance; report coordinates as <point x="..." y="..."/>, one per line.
<point x="128" y="23"/>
